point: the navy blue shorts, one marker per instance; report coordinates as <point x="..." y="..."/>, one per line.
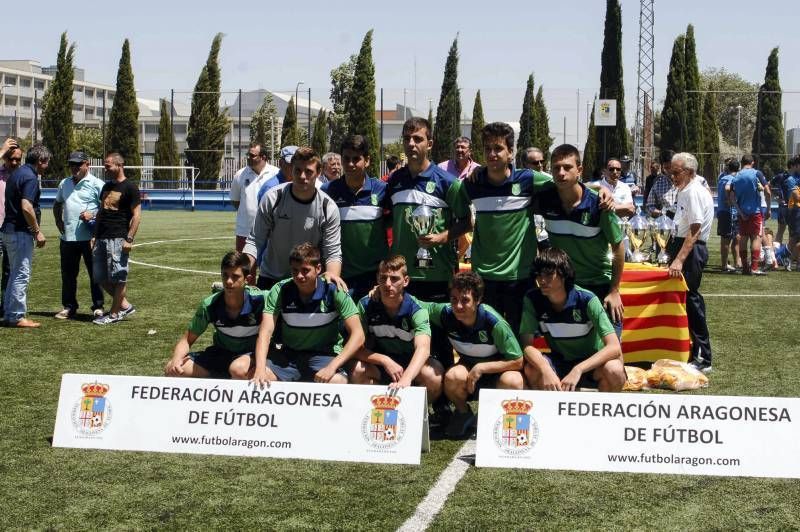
<point x="487" y="380"/>
<point x="562" y="367"/>
<point x="727" y="225"/>
<point x="403" y="360"/>
<point x="298" y="366"/>
<point x="216" y="360"/>
<point x="793" y="222"/>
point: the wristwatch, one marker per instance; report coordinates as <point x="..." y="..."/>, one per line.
<point x="129" y="239"/>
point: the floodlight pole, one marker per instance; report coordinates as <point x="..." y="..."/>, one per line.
<point x="309" y="117"/>
<point x="296" y="96"/>
<point x="738" y="130"/>
<point x="240" y="128"/>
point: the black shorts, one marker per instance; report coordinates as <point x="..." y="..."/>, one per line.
<point x="727" y="225"/>
<point x="216" y="360"/>
<point x="403" y="360"/>
<point x="487" y="380"/>
<point x="783" y="214"/>
<point x="793" y="222"/>
<point x="562" y="367"/>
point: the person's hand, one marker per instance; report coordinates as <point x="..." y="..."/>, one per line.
<point x="613" y="305"/>
<point x="325" y="374"/>
<point x="393" y="369"/>
<point x="606" y="200"/>
<point x="86" y="216"/>
<point x="263" y="376"/>
<point x="91" y="243"/>
<point x="405" y="382"/>
<point x="375" y="294"/>
<point x="8" y="144"/>
<point x="127" y="247"/>
<point x="569" y="383"/>
<point x="473" y="377"/>
<point x="340" y="284"/>
<point x="174" y="367"/>
<point x="550" y="381"/>
<point x="40" y="239"/>
<point x="676" y="269"/>
<point x="768" y="214"/>
<point x="428" y="241"/>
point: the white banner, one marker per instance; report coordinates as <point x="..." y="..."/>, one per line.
<point x="605" y="113"/>
<point x="204" y="416"/>
<point x="644" y="433"/>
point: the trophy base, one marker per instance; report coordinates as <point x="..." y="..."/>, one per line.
<point x="424" y="263"/>
<point x="638" y="256"/>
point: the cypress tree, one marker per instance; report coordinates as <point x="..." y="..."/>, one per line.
<point x="361" y="104"/>
<point x="527" y="121"/>
<point x="673" y="114"/>
<point x="590" y="151"/>
<point x="542" y="140"/>
<point x="341" y="87"/>
<point x="208" y="124"/>
<point x="166" y="151"/>
<point x="613" y="140"/>
<point x="430" y="117"/>
<point x="448" y="112"/>
<point x="319" y="141"/>
<point x="57" y="131"/>
<point x="123" y="121"/>
<point x="290" y="135"/>
<point x="264" y="119"/>
<point x="769" y="143"/>
<point x="475" y="134"/>
<point x="710" y="146"/>
<point x="694" y="99"/>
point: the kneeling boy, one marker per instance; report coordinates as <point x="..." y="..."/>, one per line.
<point x="398" y="347"/>
<point x="489" y="354"/>
<point x="584" y="350"/>
<point x="235" y="313"/>
<point x="310" y="309"/>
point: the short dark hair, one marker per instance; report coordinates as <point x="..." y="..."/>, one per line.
<point x="462" y="139"/>
<point x="116" y="157"/>
<point x="747" y="159"/>
<point x="416" y="122"/>
<point x="357" y="143"/>
<point x="555" y="260"/>
<point x="468" y="282"/>
<point x="732" y="166"/>
<point x="564" y="151"/>
<point x="665" y="156"/>
<point x="262" y="150"/>
<point x="305" y="253"/>
<point x="306" y="154"/>
<point x="235" y="259"/>
<point x="392" y="161"/>
<point x="498" y="130"/>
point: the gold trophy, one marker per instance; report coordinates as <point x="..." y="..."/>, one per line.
<point x="421" y="221"/>
<point x="662" y="231"/>
<point x="637" y="229"/>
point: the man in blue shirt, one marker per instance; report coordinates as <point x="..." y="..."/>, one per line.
<point x="727" y="219"/>
<point x="20" y="230"/>
<point x="744" y="193"/>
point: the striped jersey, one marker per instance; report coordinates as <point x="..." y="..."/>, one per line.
<point x="313" y="325"/>
<point x="394" y="335"/>
<point x="576" y="332"/>
<point x="489" y="339"/>
<point x="584" y="234"/>
<point x="444" y="194"/>
<point x="237" y="335"/>
<point x="504" y="238"/>
<point x="363" y="230"/>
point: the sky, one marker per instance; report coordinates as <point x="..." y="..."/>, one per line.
<point x="275" y="45"/>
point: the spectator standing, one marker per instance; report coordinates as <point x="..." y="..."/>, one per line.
<point x="728" y="220"/>
<point x="244" y="190"/>
<point x="655" y="170"/>
<point x="461" y="165"/>
<point x="331" y="168"/>
<point x="745" y="192"/>
<point x="533" y="159"/>
<point x="392" y="164"/>
<point x="11" y="154"/>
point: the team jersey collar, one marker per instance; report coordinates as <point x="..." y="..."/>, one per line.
<point x="319" y="291"/>
<point x="483" y="176"/>
<point x="247" y="305"/>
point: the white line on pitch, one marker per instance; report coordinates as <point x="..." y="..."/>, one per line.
<point x="433" y="502"/>
<point x="171" y="268"/>
<point x="180" y="240"/>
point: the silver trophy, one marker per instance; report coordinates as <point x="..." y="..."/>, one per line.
<point x="421" y="221"/>
<point x="636" y="229"/>
<point x="662" y="231"/>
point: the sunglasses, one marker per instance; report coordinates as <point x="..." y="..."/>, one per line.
<point x="15" y="159"/>
<point x="537" y="163"/>
<point x="614" y="169"/>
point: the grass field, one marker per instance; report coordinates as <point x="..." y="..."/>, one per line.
<point x="754" y="342"/>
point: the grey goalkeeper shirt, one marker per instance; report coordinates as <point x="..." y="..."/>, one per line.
<point x="282" y="221"/>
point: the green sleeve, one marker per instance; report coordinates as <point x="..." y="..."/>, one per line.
<point x="362" y="312"/>
<point x="609" y="222"/>
<point x="458" y="200"/>
<point x="600" y="319"/>
<point x="200" y="321"/>
<point x="273" y="301"/>
<point x="542" y="182"/>
<point x="505" y="341"/>
<point x="344" y="304"/>
<point x="529" y="323"/>
<point x="421" y="323"/>
<point x="434" y="311"/>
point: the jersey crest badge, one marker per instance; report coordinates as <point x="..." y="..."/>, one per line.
<point x="374" y="199"/>
<point x="576" y="315"/>
<point x="430" y="187"/>
<point x="483" y="337"/>
<point x="585" y="218"/>
<point x="516" y="189"/>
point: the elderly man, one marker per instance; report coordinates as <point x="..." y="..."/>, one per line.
<point x="76" y="205"/>
<point x="331" y="168"/>
<point x="21" y="229"/>
<point x="533" y="159"/>
<point x="11" y="154"/>
<point x="461" y="165"/>
<point x="244" y="190"/>
<point x="693" y="216"/>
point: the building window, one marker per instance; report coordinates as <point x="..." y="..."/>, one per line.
<point x="25" y="102"/>
<point x="11" y="100"/>
<point x="11" y="80"/>
<point x="25" y="82"/>
<point x="151" y="128"/>
<point x="89" y="93"/>
<point x="38" y="84"/>
<point x="25" y="123"/>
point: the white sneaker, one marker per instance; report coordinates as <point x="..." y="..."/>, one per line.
<point x="98" y="313"/>
<point x="65" y="314"/>
<point x="108" y="319"/>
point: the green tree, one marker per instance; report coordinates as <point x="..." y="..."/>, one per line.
<point x="430" y="116"/>
<point x="527" y="121"/>
<point x="710" y="147"/>
<point x="591" y="150"/>
<point x="769" y="141"/>
<point x="319" y="141"/>
<point x="290" y="133"/>
<point x="673" y="114"/>
<point x="361" y="104"/>
<point x="542" y="140"/>
<point x="448" y="113"/>
<point x="208" y="123"/>
<point x="166" y="151"/>
<point x="734" y="91"/>
<point x="57" y="112"/>
<point x="613" y="140"/>
<point x="341" y="87"/>
<point x="123" y="121"/>
<point x="475" y="133"/>
<point x="263" y="125"/>
<point x="88" y="140"/>
<point x="694" y="99"/>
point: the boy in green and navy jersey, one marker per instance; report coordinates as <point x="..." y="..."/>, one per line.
<point x="504" y="240"/>
<point x="236" y="314"/>
<point x="576" y="224"/>
<point x="397" y="350"/>
<point x="489" y="354"/>
<point x="311" y="310"/>
<point x="360" y="199"/>
<point x="584" y="351"/>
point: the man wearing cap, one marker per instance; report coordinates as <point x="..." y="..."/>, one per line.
<point x="628" y="176"/>
<point x="284" y="175"/>
<point x="244" y="190"/>
<point x="76" y="205"/>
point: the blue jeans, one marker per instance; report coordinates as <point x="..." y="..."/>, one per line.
<point x="19" y="246"/>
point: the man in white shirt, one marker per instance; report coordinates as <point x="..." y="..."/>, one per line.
<point x="693" y="216"/>
<point x="244" y="190"/>
<point x="623" y="197"/>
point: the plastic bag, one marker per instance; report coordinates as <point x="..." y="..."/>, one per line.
<point x="673" y="375"/>
<point x="637" y="378"/>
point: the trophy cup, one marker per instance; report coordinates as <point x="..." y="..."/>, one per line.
<point x="637" y="229"/>
<point x="421" y="221"/>
<point x="662" y="230"/>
